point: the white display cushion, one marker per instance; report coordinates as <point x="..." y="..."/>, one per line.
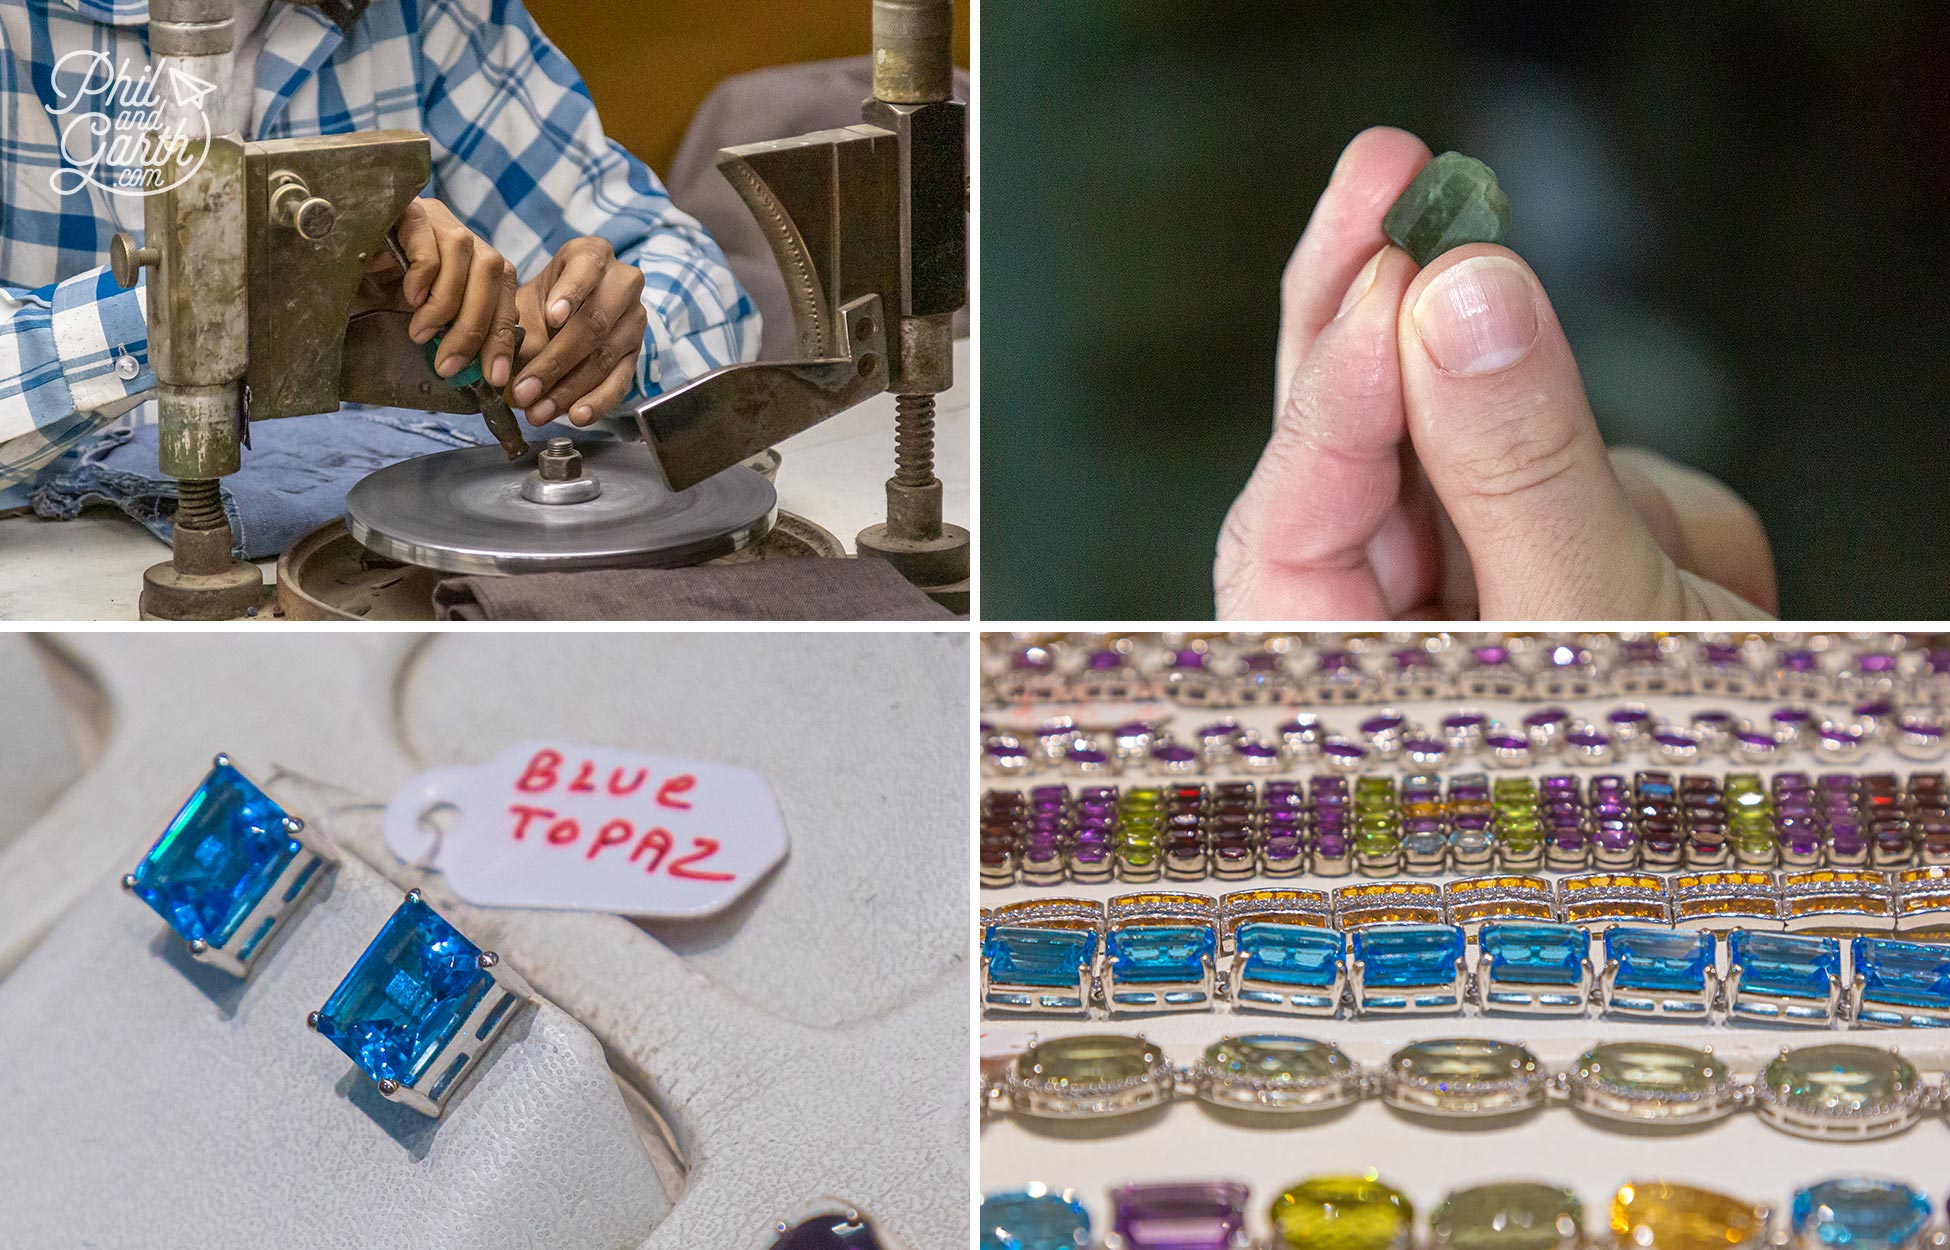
<point x="153" y="1101"/>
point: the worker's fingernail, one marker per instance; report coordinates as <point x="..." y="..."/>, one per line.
<point x="1362" y="284"/>
<point x="526" y="390"/>
<point x="448" y="366"/>
<point x="1478" y="317"/>
<point x="582" y="415"/>
<point x="543" y="411"/>
<point x="498" y="373"/>
<point x="558" y="312"/>
<point x="421" y="334"/>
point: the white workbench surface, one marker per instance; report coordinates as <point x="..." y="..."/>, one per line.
<point x="90" y="569"/>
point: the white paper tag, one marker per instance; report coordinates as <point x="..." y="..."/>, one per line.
<point x="551" y="824"/>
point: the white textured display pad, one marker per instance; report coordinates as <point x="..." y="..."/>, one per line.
<point x="228" y="1123"/>
<point x="810" y="1044"/>
<point x="1426" y="1158"/>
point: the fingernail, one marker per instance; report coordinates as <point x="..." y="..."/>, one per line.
<point x="1478" y="317"/>
<point x="498" y="373"/>
<point x="448" y="366"/>
<point x="543" y="411"/>
<point x="526" y="390"/>
<point x="582" y="415"/>
<point x="558" y="312"/>
<point x="420" y="336"/>
<point x="1362" y="284"/>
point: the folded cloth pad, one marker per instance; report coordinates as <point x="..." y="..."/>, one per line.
<point x="295" y="475"/>
<point x="802" y="589"/>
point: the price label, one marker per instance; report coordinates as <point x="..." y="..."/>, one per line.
<point x="547" y="824"/>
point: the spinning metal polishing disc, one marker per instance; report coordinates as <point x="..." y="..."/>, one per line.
<point x="463" y="511"/>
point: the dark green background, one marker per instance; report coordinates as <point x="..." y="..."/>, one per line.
<point x="1738" y="210"/>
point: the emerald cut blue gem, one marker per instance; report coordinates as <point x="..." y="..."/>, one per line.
<point x="1903" y="983"/>
<point x="1534" y="954"/>
<point x="406" y="997"/>
<point x="1407" y="967"/>
<point x="1291" y="954"/>
<point x="1785" y="965"/>
<point x="1020" y="955"/>
<point x="1160" y="952"/>
<point x="1659" y="960"/>
<point x="1033" y="1220"/>
<point x="217" y="859"/>
<point x="1859" y="1213"/>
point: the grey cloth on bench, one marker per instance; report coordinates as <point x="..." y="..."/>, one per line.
<point x="803" y="589"/>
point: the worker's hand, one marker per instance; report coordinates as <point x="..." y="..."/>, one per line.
<point x="1433" y="453"/>
<point x="584" y="321"/>
<point x="455" y="285"/>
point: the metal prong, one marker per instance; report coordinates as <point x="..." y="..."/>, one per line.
<point x="293" y="825"/>
<point x="413" y="896"/>
<point x="128" y="881"/>
<point x="388" y="1087"/>
<point x="198" y="946"/>
<point x="221" y="761"/>
<point x="487" y="960"/>
<point x="311" y="1021"/>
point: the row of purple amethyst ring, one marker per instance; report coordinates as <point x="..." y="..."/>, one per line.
<point x="1548" y="735"/>
<point x="1261" y="671"/>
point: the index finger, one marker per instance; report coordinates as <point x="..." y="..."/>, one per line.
<point x="1343" y="233"/>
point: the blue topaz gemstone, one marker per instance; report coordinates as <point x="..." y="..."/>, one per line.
<point x="1033" y="1219"/>
<point x="420" y="1003"/>
<point x="1406" y="967"/>
<point x="226" y="868"/>
<point x="1534" y="954"/>
<point x="1766" y="968"/>
<point x="1289" y="967"/>
<point x="1657" y="971"/>
<point x="1159" y="952"/>
<point x="1020" y="955"/>
<point x="1859" y="1213"/>
<point x="1902" y="983"/>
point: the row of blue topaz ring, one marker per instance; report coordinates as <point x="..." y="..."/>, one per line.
<point x="1469" y="737"/>
<point x="1359" y="1211"/>
<point x="418" y="1010"/>
<point x="1831" y="1091"/>
<point x="1633" y="946"/>
<point x="1324" y="670"/>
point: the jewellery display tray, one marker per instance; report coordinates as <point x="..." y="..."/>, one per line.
<point x="1425" y="1157"/>
<point x="679" y="1084"/>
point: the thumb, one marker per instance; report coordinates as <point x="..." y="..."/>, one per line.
<point x="1498" y="417"/>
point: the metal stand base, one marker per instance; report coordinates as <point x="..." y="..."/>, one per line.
<point x="939" y="565"/>
<point x="169" y="594"/>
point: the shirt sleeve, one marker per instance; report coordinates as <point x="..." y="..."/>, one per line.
<point x="521" y="158"/>
<point x="69" y="352"/>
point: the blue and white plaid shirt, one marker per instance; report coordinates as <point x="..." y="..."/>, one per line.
<point x="518" y="154"/>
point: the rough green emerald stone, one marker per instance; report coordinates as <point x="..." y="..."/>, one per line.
<point x="1840" y="1079"/>
<point x="1453" y="201"/>
<point x="1517" y="1215"/>
<point x="1087" y="1060"/>
<point x="1657" y="1070"/>
<point x="1277" y="1058"/>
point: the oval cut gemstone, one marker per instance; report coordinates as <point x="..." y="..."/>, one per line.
<point x="1342" y="1213"/>
<point x="1517" y="1215"/>
<point x="1090" y="1059"/>
<point x="1861" y="1213"/>
<point x="1655" y="1215"/>
<point x="1277" y="1058"/>
<point x="1839" y="1079"/>
<point x="1651" y="1070"/>
<point x="1459" y="1061"/>
<point x="1033" y="1219"/>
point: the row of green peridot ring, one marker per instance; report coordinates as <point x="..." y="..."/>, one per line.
<point x="1833" y="1091"/>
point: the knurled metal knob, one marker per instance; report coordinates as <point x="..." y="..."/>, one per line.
<point x="127" y="259"/>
